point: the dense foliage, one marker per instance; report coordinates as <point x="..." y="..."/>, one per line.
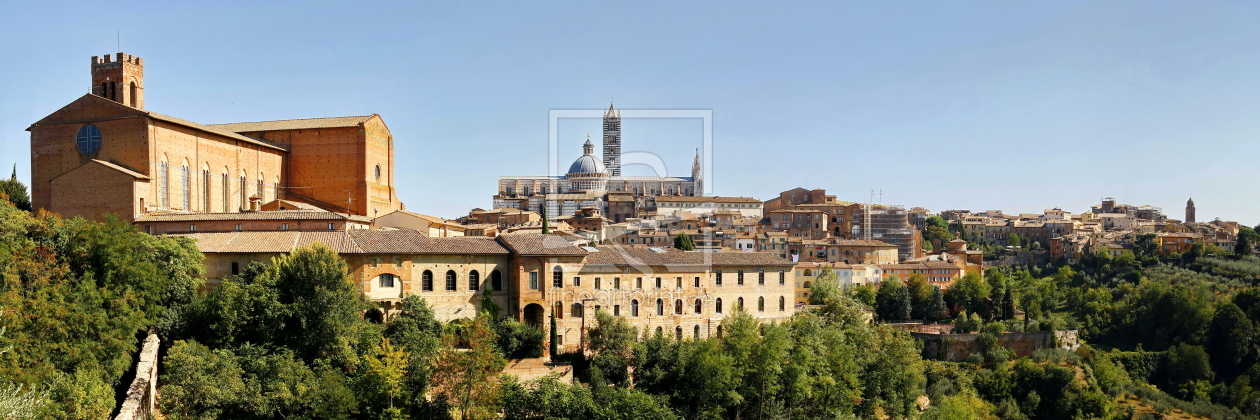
<point x="76" y="297"/>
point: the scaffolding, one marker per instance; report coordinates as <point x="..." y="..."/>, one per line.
<point x="891" y="224"/>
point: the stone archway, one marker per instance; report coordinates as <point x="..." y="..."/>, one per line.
<point x="534" y="315"/>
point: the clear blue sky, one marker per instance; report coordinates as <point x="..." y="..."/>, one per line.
<point x="1019" y="106"/>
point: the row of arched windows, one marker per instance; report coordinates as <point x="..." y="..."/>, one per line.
<point x="263" y="190"/>
<point x="698" y="306"/>
<point x="452" y="280"/>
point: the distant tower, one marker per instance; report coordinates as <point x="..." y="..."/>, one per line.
<point x="612" y="140"/>
<point x="1190" y="211"/>
<point x="696" y="179"/>
<point x="119" y="78"/>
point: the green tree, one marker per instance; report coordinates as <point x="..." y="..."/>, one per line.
<point x="920" y="295"/>
<point x="199" y="383"/>
<point x="935" y="310"/>
<point x="386" y="373"/>
<point x="611" y="342"/>
<point x="683" y="242"/>
<point x="546" y="228"/>
<point x="1145" y="245"/>
<point x="1013" y="239"/>
<point x="467" y="379"/>
<point x="757" y="351"/>
<point x="826" y="286"/>
<point x="1242" y="247"/>
<point x="15" y="191"/>
<point x="892" y="303"/>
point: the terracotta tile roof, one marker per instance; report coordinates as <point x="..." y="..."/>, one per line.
<point x="363" y="241"/>
<point x="860" y="242"/>
<point x="251" y="215"/>
<point x="612" y="255"/>
<point x="298" y="124"/>
<point x="216" y="130"/>
<point x="701" y="199"/>
<point x="118" y="168"/>
<point x="535" y="244"/>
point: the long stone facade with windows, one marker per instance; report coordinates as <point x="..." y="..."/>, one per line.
<point x="532" y="277"/>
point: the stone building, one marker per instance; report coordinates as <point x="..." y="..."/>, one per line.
<point x="104" y="153"/>
<point x="591" y="181"/>
<point x="534" y="277"/>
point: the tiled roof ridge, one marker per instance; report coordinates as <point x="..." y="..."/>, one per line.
<point x="364" y="118"/>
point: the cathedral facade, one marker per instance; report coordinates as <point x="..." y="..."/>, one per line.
<point x="594" y="182"/>
<point x="104" y="153"/>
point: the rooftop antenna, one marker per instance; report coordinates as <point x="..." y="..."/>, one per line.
<point x="349" y="199"/>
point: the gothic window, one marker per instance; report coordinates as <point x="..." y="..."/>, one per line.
<point x="450" y="280"/>
<point x="226" y="192"/>
<point x="244" y="197"/>
<point x="89" y="139"/>
<point x="262" y="189"/>
<point x="184" y="187"/>
<point x="717" y="306"/>
<point x="699" y="306"/>
<point x="133" y="95"/>
<point x="426" y="281"/>
<point x="164" y="181"/>
<point x="474" y="280"/>
<point x="496" y="280"/>
<point x="634" y="308"/>
<point x="205" y="190"/>
<point x="761" y="304"/>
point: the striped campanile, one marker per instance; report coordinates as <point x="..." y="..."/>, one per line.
<point x="612" y="140"/>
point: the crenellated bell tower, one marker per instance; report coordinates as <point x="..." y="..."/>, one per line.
<point x="119" y="78"/>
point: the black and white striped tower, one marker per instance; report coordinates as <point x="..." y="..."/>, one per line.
<point x="612" y="140"/>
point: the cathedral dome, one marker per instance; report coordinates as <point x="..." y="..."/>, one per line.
<point x="587" y="163"/>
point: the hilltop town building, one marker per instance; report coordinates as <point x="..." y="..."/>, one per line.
<point x="592" y="182"/>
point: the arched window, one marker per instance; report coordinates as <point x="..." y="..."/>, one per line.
<point x="678" y="333"/>
<point x="577" y="311"/>
<point x="739" y="304"/>
<point x="782" y="304"/>
<point x="809" y="273"/>
<point x="660" y="306"/>
<point x="557" y="277"/>
<point x="205" y="190"/>
<point x="678" y="306"/>
<point x="719" y="331"/>
<point x="450" y="280"/>
<point x="262" y="189"/>
<point x="634" y="308"/>
<point x="696" y="332"/>
<point x="131" y="93"/>
<point x="699" y="306"/>
<point x="717" y="306"/>
<point x="559" y="311"/>
<point x="808" y="285"/>
<point x="474" y="280"/>
<point x="496" y="280"/>
<point x="378" y="172"/>
<point x="183" y="175"/>
<point x="164" y="185"/>
<point x="244" y="193"/>
<point x="227" y="194"/>
<point x="761" y="304"/>
<point x="426" y="281"/>
<point x="386" y="280"/>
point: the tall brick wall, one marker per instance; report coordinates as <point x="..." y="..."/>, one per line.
<point x="124" y="133"/>
<point x="178" y="145"/>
